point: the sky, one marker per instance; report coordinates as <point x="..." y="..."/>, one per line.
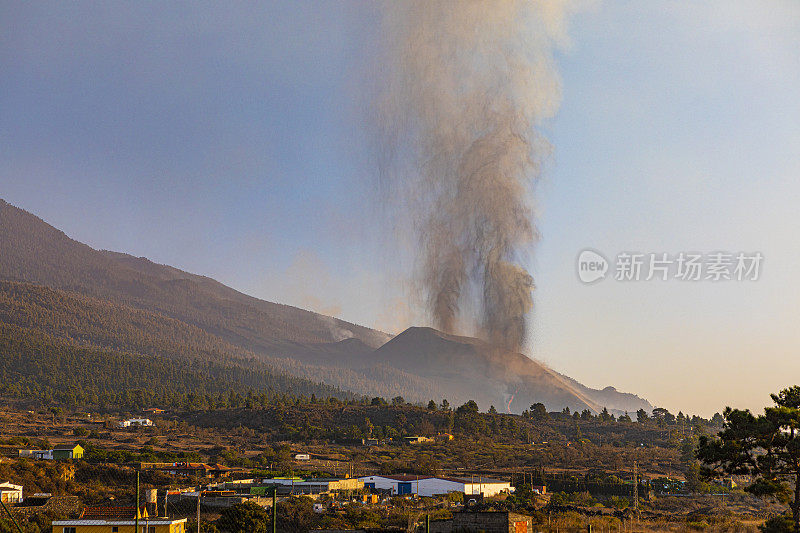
<point x="228" y="140"/>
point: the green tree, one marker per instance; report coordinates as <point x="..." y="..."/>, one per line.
<point x="469" y="407"/>
<point x="766" y="447"/>
<point x="247" y="517"/>
<point x="539" y="412"/>
<point x="296" y="514"/>
<point x="368" y="427"/>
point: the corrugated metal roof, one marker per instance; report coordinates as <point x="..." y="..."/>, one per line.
<point x="150" y="522"/>
<point x="66" y="447"/>
<point x="112" y="512"/>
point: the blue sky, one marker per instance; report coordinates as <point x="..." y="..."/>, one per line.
<point x="228" y="141"/>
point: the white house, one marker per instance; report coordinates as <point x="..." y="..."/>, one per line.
<point x="37" y="454"/>
<point x="436" y="486"/>
<point x="136" y="422"/>
<point x="10" y="493"/>
<point x="302" y="457"/>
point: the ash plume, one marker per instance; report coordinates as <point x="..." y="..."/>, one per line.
<point x="462" y="89"/>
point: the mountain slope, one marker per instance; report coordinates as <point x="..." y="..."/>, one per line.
<point x="36" y="252"/>
<point x="58" y="287"/>
<point x="468" y="367"/>
<point x="610" y="397"/>
<point x="73" y="319"/>
<point x="35" y="366"/>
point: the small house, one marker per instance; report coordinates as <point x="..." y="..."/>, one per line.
<point x="417" y="440"/>
<point x="153" y="525"/>
<point x="10" y="493"/>
<point x="302" y="457"/>
<point x="68" y="451"/>
<point x="37" y="454"/>
<point x="195" y="470"/>
<point x="136" y="422"/>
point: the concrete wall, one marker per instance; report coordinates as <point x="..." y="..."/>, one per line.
<point x="487" y="522"/>
<point x="488" y="489"/>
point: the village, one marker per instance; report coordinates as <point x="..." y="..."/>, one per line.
<point x="211" y="488"/>
<point x="328" y="484"/>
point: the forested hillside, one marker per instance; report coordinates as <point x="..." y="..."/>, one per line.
<point x="38" y="367"/>
<point x="92" y="322"/>
<point x="79" y="320"/>
<point x="36" y="252"/>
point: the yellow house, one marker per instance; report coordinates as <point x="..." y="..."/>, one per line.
<point x="152" y="525"/>
<point x="68" y="451"/>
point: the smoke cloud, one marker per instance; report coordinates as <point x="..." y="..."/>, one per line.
<point x="463" y="87"/>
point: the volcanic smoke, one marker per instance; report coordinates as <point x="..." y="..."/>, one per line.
<point x="464" y="87"/>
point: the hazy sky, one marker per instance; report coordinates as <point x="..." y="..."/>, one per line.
<point x="226" y="140"/>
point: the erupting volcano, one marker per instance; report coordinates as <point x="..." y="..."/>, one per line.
<point x="465" y="87"/>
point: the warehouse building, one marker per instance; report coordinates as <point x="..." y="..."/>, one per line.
<point x="436" y="486"/>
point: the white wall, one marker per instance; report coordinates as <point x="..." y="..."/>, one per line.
<point x="488" y="489"/>
<point x="381" y="483"/>
<point x="437" y="486"/>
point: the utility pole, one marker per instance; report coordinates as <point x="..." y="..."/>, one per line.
<point x="274" y="509"/>
<point x="199" y="492"/>
<point x="636" y="489"/>
<point x="136" y="516"/>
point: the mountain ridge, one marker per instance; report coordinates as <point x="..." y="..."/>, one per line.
<point x="202" y="313"/>
<point x="47" y="256"/>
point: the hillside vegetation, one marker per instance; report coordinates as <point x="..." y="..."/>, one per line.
<point x="78" y="320"/>
<point x="36" y="252"/>
<point x="36" y="367"/>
